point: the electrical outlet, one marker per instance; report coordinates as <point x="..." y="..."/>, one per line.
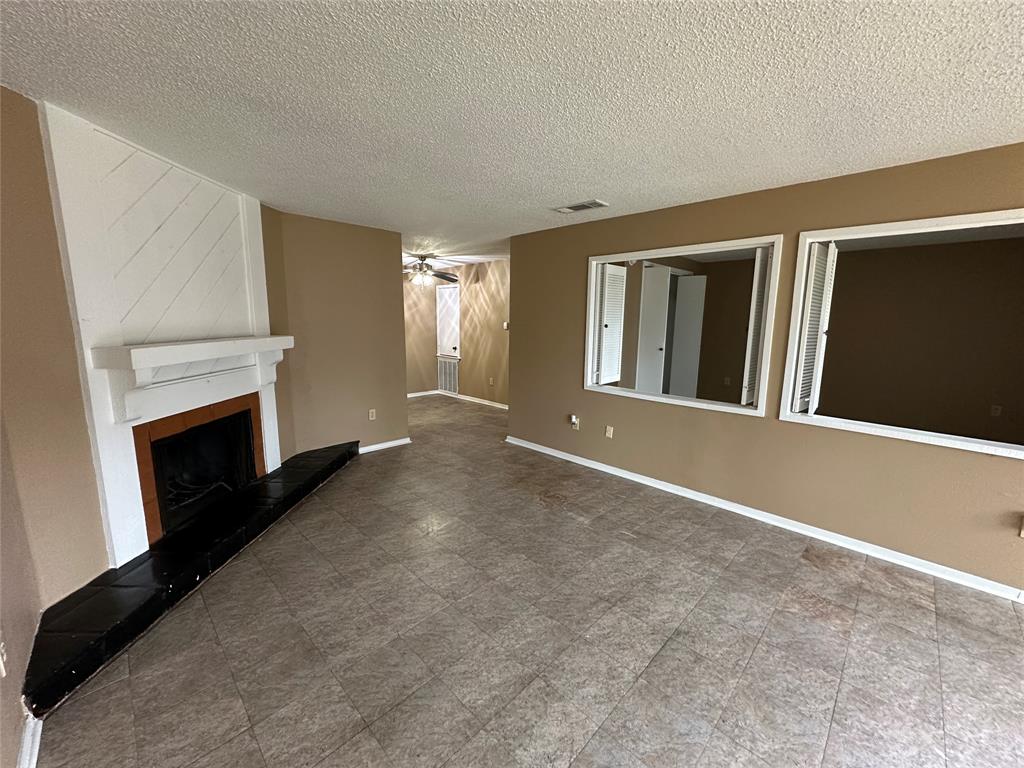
<point x="609" y="431"/>
<point x="997" y="410"/>
<point x="504" y="326"/>
<point x="373" y="414"/>
<point x="727" y="381"/>
<point x="574" y="422"/>
<point x="3" y="659"/>
<point x="491" y="381"/>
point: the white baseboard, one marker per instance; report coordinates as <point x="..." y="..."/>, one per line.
<point x="457" y="396"/>
<point x="471" y="399"/>
<point x="873" y="550"/>
<point x="382" y="446"/>
<point x="31" y="733"/>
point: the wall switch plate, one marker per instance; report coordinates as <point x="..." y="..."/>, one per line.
<point x="609" y="431"/>
<point x="727" y="381"/>
<point x="504" y="326"/>
<point x="491" y="381"/>
<point x="574" y="421"/>
<point x="997" y="410"/>
<point x="373" y="414"/>
<point x="3" y="659"/>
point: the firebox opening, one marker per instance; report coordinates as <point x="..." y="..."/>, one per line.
<point x="196" y="468"/>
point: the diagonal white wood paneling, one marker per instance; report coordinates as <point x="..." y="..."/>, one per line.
<point x="157" y="253"/>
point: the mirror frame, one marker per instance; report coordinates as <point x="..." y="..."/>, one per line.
<point x="771" y="241"/>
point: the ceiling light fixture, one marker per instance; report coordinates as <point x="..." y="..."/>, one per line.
<point x="422" y="274"/>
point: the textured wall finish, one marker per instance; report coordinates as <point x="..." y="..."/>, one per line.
<point x="338" y="289"/>
<point x="48" y="463"/>
<point x="953" y="507"/>
<point x="473" y="119"/>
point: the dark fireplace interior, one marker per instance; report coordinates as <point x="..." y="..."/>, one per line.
<point x="196" y="468"/>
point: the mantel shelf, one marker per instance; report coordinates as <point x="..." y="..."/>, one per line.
<point x="138" y="357"/>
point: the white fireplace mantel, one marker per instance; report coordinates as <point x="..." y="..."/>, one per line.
<point x="150" y="381"/>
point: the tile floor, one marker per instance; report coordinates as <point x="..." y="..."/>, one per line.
<point x="461" y="602"/>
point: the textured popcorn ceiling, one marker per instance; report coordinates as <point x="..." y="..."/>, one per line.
<point x="462" y="123"/>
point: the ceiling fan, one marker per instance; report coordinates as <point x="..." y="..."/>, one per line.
<point x="421" y="273"/>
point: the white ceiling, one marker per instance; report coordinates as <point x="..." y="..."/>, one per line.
<point x="461" y="123"/>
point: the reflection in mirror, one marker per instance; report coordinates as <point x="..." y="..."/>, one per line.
<point x="687" y="327"/>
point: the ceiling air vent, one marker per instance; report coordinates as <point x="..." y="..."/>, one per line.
<point x="586" y="205"/>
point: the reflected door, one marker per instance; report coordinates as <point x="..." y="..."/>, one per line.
<point x="650" y="356"/>
<point x="689" y="323"/>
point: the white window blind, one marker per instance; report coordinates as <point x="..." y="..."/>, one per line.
<point x="821" y="271"/>
<point x="755" y="329"/>
<point x="611" y="310"/>
<point x="448" y="320"/>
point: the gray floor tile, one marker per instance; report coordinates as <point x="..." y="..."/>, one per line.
<point x="533" y="639"/>
<point x="91" y="731"/>
<point x="697" y="684"/>
<point x="241" y="752"/>
<point x="590" y="679"/>
<point x="443" y="638"/>
<point x="868" y="731"/>
<point x="486" y="679"/>
<point x="723" y="752"/>
<point x="602" y="751"/>
<point x="573" y="605"/>
<point x="812" y="627"/>
<point x="284" y="677"/>
<point x="482" y="751"/>
<point x="383" y="678"/>
<point x="781" y="708"/>
<point x="540" y="727"/>
<point x="361" y="751"/>
<point x="652" y="726"/>
<point x="491" y="607"/>
<point x="715" y="638"/>
<point x="185" y="732"/>
<point x="627" y="639"/>
<point x="533" y="552"/>
<point x="304" y="732"/>
<point x="426" y="729"/>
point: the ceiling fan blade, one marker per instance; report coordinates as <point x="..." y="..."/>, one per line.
<point x="445" y="276"/>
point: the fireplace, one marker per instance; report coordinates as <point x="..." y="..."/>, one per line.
<point x="191" y="461"/>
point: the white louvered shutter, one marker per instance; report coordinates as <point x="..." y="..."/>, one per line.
<point x="821" y="271"/>
<point x="612" y="310"/>
<point x="755" y="329"/>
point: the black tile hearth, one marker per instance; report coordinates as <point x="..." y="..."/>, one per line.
<point x="89" y="627"/>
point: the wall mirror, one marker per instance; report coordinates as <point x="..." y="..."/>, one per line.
<point x="690" y="325"/>
<point x="912" y="330"/>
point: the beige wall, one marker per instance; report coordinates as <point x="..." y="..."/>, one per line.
<point x="420" y="337"/>
<point x="946" y="331"/>
<point x="51" y="532"/>
<point x="19" y="605"/>
<point x="953" y="507"/>
<point x="337" y="289"/>
<point x="484" y="306"/>
<point x="484" y="294"/>
<point x="42" y="404"/>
